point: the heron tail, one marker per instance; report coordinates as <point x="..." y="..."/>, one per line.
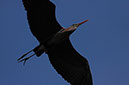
<point x="39" y="50"/>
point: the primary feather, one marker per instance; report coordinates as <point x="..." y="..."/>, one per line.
<point x="41" y="18"/>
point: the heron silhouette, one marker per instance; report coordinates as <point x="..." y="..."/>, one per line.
<point x="54" y="41"/>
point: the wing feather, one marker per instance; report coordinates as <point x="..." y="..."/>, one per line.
<point x="41" y="18"/>
<point x="27" y="4"/>
<point x="70" y="64"/>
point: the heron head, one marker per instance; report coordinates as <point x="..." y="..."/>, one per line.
<point x="72" y="28"/>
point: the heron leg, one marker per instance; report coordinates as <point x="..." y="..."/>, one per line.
<point x="38" y="51"/>
<point x="25" y="59"/>
<point x="24" y="55"/>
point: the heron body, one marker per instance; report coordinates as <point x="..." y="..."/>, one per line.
<point x="54" y="40"/>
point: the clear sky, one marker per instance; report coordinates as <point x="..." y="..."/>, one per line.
<point x="104" y="41"/>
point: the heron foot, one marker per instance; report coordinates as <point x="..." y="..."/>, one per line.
<point x="25" y="59"/>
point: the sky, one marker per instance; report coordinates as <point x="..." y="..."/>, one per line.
<point x="103" y="40"/>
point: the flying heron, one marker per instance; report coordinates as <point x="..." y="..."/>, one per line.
<point x="54" y="41"/>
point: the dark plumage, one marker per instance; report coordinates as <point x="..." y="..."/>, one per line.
<point x="54" y="40"/>
<point x="70" y="64"/>
<point x="41" y="18"/>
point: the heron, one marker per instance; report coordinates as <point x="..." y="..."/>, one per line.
<point x="54" y="41"/>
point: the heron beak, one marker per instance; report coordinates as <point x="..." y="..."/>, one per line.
<point x="82" y="22"/>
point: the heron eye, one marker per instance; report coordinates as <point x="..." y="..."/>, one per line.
<point x="73" y="25"/>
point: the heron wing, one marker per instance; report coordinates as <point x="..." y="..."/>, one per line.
<point x="41" y="18"/>
<point x="70" y="64"/>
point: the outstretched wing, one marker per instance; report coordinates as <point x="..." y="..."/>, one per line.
<point x="70" y="64"/>
<point x="41" y="18"/>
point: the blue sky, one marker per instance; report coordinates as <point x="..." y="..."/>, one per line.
<point x="104" y="41"/>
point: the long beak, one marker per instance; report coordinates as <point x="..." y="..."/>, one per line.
<point x="82" y="22"/>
